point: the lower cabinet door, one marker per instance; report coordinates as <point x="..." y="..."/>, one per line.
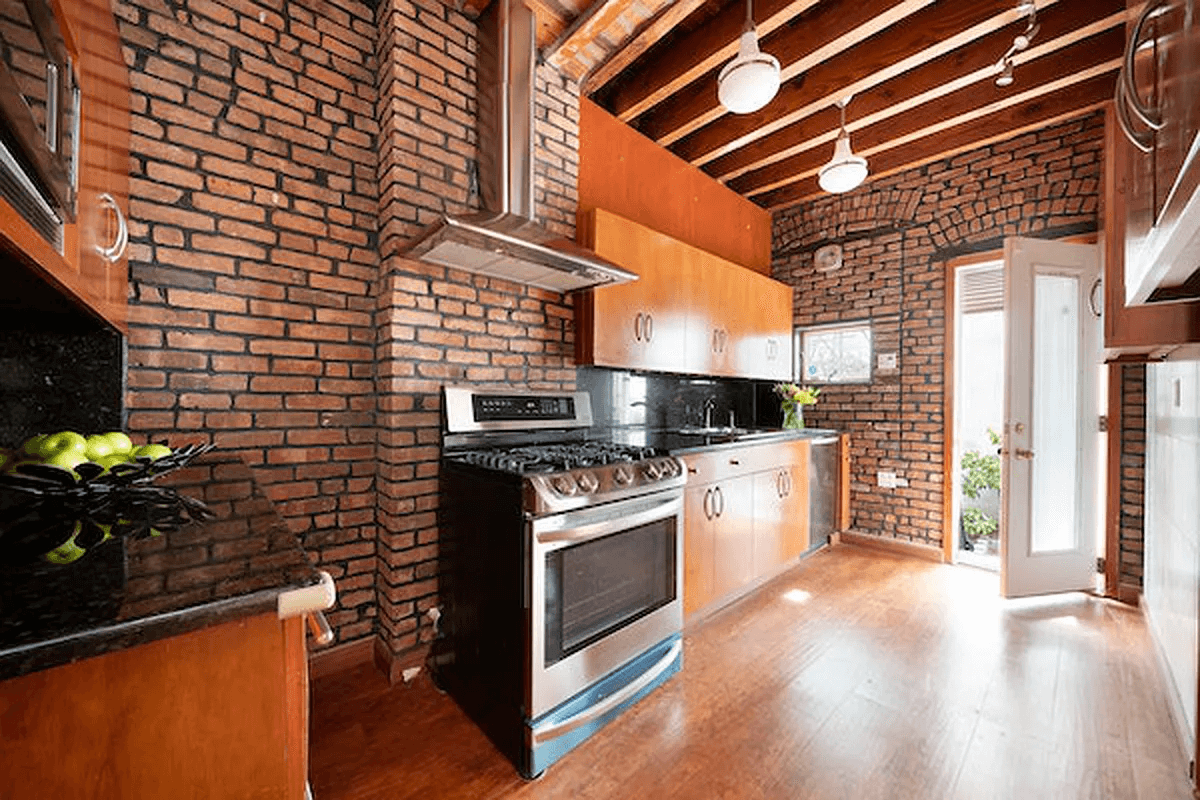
<point x="698" y="553"/>
<point x="769" y="520"/>
<point x="734" y="536"/>
<point x="794" y="511"/>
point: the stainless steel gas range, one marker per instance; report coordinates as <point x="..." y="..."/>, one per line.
<point x="562" y="570"/>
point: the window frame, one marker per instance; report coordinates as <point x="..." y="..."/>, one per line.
<point x="799" y="333"/>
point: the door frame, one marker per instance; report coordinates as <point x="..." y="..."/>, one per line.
<point x="1112" y="520"/>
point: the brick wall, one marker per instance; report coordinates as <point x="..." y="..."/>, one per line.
<point x="1132" y="430"/>
<point x="434" y="325"/>
<point x="898" y="233"/>
<point x="253" y="256"/>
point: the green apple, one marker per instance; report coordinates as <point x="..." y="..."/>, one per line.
<point x="61" y="442"/>
<point x="110" y="461"/>
<point x="31" y="445"/>
<point x="67" y="459"/>
<point x="120" y="441"/>
<point x="152" y="451"/>
<point x="66" y="552"/>
<point x="98" y="446"/>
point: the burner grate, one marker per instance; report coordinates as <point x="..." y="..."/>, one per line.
<point x="556" y="457"/>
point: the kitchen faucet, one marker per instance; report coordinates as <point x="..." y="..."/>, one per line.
<point x="709" y="405"/>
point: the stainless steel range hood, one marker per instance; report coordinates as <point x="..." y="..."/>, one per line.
<point x="505" y="241"/>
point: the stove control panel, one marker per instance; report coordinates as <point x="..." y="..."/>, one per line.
<point x="562" y="491"/>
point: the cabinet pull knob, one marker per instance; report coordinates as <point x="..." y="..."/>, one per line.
<point x="691" y="470"/>
<point x="734" y="462"/>
<point x="112" y="253"/>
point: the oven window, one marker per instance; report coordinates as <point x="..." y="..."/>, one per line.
<point x="596" y="587"/>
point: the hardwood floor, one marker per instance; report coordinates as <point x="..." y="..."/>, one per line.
<point x="857" y="675"/>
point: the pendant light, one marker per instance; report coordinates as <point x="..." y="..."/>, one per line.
<point x="845" y="171"/>
<point x="751" y="79"/>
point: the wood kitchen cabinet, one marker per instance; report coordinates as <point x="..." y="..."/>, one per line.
<point x="781" y="525"/>
<point x="688" y="312"/>
<point x="221" y="712"/>
<point x="1151" y="176"/>
<point x="745" y="518"/>
<point x="91" y="267"/>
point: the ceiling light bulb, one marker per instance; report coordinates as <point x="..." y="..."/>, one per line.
<point x="1005" y="78"/>
<point x="751" y="79"/>
<point x="1020" y="42"/>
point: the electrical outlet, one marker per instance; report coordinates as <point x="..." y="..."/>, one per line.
<point x="886" y="479"/>
<point x="886" y="361"/>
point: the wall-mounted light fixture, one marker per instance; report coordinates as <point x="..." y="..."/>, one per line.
<point x="845" y="171"/>
<point x="751" y="79"/>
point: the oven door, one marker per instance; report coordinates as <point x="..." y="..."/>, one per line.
<point x="605" y="586"/>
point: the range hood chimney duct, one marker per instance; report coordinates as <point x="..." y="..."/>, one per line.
<point x="504" y="240"/>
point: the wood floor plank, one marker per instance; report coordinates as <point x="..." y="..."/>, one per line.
<point x="857" y="675"/>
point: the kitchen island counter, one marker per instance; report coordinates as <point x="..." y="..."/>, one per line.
<point x="126" y="592"/>
<point x="684" y="441"/>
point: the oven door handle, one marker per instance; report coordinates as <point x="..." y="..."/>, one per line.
<point x="562" y="530"/>
<point x="609" y="703"/>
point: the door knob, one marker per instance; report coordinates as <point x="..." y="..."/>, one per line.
<point x="1021" y="452"/>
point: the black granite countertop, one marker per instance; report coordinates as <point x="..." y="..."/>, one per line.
<point x="684" y="441"/>
<point x="125" y="592"/>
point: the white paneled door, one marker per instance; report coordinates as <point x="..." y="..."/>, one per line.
<point x="1050" y="450"/>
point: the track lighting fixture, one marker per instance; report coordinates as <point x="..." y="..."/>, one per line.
<point x="1004" y="67"/>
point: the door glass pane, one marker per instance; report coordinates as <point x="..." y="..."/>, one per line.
<point x="1055" y="424"/>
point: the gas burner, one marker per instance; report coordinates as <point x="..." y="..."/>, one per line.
<point x="544" y="458"/>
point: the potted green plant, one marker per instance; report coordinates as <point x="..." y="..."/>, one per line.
<point x="980" y="473"/>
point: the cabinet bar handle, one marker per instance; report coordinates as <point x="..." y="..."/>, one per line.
<point x="720" y="497"/>
<point x="112" y="254"/>
<point x="318" y="626"/>
<point x="707" y="503"/>
<point x="637" y="326"/>
<point x="1151" y="117"/>
<point x="649" y="327"/>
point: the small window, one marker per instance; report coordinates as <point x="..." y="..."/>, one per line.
<point x="834" y="353"/>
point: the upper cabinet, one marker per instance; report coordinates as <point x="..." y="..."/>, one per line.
<point x="1151" y="204"/>
<point x="64" y="192"/>
<point x="1158" y="113"/>
<point x="688" y="312"/>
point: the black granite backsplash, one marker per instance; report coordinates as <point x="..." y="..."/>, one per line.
<point x="60" y="367"/>
<point x="669" y="402"/>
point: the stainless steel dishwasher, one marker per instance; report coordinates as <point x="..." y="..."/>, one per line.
<point x="823" y="466"/>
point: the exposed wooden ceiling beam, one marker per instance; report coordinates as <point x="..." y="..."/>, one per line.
<point x="822" y="33"/>
<point x="641" y="41"/>
<point x="1065" y="67"/>
<point x="1061" y="27"/>
<point x="700" y="51"/>
<point x="914" y="41"/>
<point x="1069" y="101"/>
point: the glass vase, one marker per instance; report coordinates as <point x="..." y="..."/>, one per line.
<point x="793" y="416"/>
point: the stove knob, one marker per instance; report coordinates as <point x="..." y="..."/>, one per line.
<point x="563" y="485"/>
<point x="587" y="482"/>
<point x="623" y="475"/>
<point x="670" y="468"/>
<point x="652" y="471"/>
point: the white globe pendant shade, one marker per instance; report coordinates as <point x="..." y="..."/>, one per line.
<point x="750" y="80"/>
<point x="845" y="171"/>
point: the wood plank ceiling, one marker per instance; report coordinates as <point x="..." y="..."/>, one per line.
<point x="922" y="75"/>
